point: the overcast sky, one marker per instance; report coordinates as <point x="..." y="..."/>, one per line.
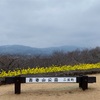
<point x="49" y="23"/>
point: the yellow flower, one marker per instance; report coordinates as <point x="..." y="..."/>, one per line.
<point x="52" y="68"/>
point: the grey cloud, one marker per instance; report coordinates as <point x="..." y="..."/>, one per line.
<point x="50" y="22"/>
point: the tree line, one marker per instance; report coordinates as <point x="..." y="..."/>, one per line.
<point x="12" y="62"/>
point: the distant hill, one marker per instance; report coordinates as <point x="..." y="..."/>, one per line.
<point x="26" y="50"/>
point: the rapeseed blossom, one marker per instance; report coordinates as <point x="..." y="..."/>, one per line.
<point x="52" y="68"/>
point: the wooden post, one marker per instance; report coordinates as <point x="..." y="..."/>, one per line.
<point x="83" y="82"/>
<point x="17" y="85"/>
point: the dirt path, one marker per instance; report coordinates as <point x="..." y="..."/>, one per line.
<point x="52" y="91"/>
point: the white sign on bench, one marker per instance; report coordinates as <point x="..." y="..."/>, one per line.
<point x="51" y="79"/>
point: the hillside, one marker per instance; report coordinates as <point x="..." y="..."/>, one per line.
<point x="26" y="50"/>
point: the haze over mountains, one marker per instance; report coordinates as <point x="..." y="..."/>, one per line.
<point x="26" y="50"/>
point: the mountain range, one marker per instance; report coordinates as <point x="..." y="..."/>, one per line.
<point x="26" y="50"/>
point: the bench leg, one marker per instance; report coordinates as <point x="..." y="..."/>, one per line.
<point x="83" y="82"/>
<point x="17" y="85"/>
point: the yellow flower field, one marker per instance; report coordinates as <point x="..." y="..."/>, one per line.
<point x="52" y="68"/>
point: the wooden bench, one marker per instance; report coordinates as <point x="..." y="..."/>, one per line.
<point x="82" y="80"/>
